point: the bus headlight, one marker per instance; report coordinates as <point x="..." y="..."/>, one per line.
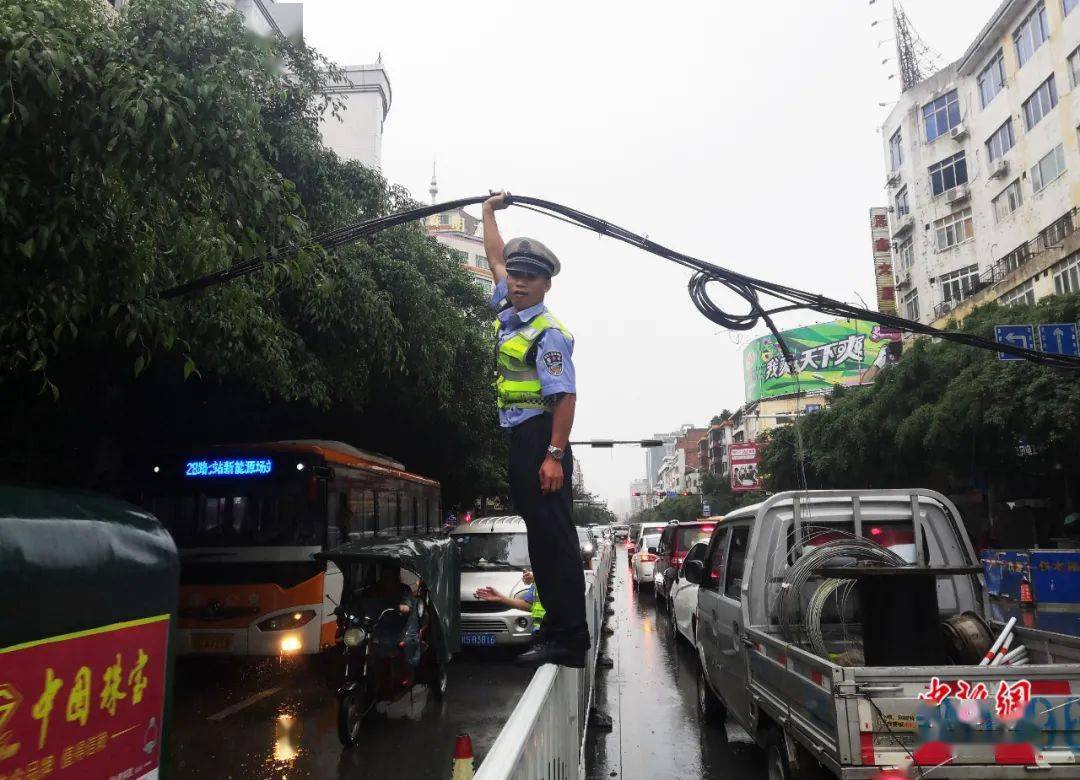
<point x="289" y="620"/>
<point x="290" y="644"/>
<point x="354" y="637"/>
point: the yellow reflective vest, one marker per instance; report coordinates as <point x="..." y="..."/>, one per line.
<point x="537" y="610"/>
<point x="517" y="382"/>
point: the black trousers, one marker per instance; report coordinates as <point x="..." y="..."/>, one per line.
<point x="554" y="550"/>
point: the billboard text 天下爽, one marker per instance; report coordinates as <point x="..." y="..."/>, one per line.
<point x="841" y="352"/>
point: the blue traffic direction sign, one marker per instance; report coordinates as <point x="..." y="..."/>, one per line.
<point x="1016" y="336"/>
<point x="1059" y="338"/>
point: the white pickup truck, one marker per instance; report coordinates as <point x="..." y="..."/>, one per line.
<point x="831" y="714"/>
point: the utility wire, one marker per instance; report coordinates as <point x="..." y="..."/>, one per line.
<point x="749" y="288"/>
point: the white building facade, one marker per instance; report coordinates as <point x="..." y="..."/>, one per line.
<point x="982" y="160"/>
<point x="463" y="235"/>
<point x="364" y="92"/>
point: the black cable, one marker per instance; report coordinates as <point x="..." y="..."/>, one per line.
<point x="748" y="288"/>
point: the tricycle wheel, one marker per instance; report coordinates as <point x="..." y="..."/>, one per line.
<point x="440" y="679"/>
<point x="353" y="708"/>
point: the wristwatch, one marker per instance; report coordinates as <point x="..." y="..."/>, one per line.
<point x="555" y="452"/>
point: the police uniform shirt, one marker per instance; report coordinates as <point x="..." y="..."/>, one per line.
<point x="554" y="354"/>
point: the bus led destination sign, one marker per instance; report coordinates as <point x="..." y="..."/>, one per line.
<point x="228" y="468"/>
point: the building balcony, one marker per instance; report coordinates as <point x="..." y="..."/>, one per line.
<point x="1051" y="236"/>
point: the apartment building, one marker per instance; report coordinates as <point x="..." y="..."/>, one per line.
<point x="982" y="160"/>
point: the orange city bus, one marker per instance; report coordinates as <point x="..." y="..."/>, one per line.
<point x="248" y="518"/>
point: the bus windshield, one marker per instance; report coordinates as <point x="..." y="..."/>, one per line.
<point x="238" y="517"/>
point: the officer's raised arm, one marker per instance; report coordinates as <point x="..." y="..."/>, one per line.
<point x="493" y="243"/>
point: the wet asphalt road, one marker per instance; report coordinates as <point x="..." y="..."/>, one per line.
<point x="271" y="719"/>
<point x="651" y="696"/>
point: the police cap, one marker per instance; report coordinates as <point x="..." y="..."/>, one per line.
<point x="528" y="254"/>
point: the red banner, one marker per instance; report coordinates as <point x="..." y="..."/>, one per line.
<point x="84" y="705"/>
<point x="743" y="459"/>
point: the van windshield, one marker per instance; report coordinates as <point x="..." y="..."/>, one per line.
<point x="482" y="551"/>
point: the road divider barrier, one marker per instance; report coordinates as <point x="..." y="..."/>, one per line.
<point x="545" y="734"/>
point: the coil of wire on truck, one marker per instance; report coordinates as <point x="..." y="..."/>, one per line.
<point x="842" y="549"/>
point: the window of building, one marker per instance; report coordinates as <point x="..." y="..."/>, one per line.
<point x="482" y="262"/>
<point x="911" y="305"/>
<point x="1041" y="102"/>
<point x="1074" y="67"/>
<point x="444" y="219"/>
<point x="896" y="151"/>
<point x="1067" y="275"/>
<point x="1001" y="141"/>
<point x="941" y="115"/>
<point x="461" y="257"/>
<point x="1007" y="201"/>
<point x="902" y="209"/>
<point x="1048" y="168"/>
<point x="948" y="173"/>
<point x="954" y="229"/>
<point x="1031" y="34"/>
<point x="992" y="79"/>
<point x="486" y="285"/>
<point x="1024" y="294"/>
<point x="906" y="255"/>
<point x="957" y="285"/>
<point x="1067" y="6"/>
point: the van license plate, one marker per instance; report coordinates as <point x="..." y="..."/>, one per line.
<point x="478" y="640"/>
<point x="211" y="643"/>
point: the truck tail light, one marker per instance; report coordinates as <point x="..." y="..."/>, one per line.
<point x="648" y="558"/>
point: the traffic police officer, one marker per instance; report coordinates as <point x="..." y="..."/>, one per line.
<point x="536" y="399"/>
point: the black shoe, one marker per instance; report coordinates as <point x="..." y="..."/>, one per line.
<point x="552" y="653"/>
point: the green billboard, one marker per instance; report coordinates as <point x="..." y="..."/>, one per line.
<point x="842" y="352"/>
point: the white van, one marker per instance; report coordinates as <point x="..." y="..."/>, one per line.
<point x="494" y="553"/>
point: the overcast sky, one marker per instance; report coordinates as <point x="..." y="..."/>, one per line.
<point x="745" y="136"/>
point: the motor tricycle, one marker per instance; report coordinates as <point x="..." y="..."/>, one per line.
<point x="393" y="635"/>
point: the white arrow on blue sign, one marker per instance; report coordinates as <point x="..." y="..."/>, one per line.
<point x="1015" y="335"/>
<point x="1059" y="338"/>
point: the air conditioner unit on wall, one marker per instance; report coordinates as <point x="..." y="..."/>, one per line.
<point x="892" y="180"/>
<point x="959" y="132"/>
<point x="958" y="193"/>
<point x="999" y="168"/>
<point x="902" y="225"/>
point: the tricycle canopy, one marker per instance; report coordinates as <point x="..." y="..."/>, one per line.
<point x="433" y="559"/>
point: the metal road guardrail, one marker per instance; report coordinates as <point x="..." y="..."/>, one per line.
<point x="544" y="737"/>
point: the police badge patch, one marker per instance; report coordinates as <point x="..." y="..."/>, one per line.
<point x="553" y="362"/>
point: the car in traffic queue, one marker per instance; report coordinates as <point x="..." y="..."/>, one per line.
<point x="643" y="560"/>
<point x="682" y="596"/>
<point x="631" y="537"/>
<point x="619" y="532"/>
<point x="588" y="544"/>
<point x="675" y="542"/>
<point x="494" y="553"/>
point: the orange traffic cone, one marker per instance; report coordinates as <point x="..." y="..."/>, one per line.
<point x="1025" y="592"/>
<point x="463" y="758"/>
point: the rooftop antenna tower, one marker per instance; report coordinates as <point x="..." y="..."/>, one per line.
<point x="914" y="59"/>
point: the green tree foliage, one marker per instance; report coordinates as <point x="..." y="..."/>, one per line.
<point x="145" y="148"/>
<point x="945" y="416"/>
<point x="589" y="510"/>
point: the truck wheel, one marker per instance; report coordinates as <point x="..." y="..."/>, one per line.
<point x="710" y="708"/>
<point x="776" y="760"/>
<point x="775" y="757"/>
